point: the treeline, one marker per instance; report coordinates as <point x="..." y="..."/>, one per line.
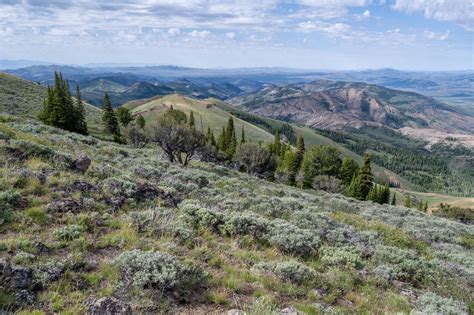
<point x="426" y="170"/>
<point x="60" y="110"/>
<point x="320" y="167"/>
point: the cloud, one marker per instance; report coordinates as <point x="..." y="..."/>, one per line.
<point x="336" y="29"/>
<point x="200" y="34"/>
<point x="457" y="11"/>
<point x="436" y="36"/>
<point x="230" y="35"/>
<point x="174" y="31"/>
<point x="334" y="3"/>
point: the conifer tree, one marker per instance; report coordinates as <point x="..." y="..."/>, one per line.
<point x="300" y="150"/>
<point x="210" y="137"/>
<point x="242" y="136"/>
<point x="141" y="121"/>
<point x="360" y="186"/>
<point x="348" y="169"/>
<point x="221" y="140"/>
<point x="192" y="123"/>
<point x="81" y="125"/>
<point x="277" y="143"/>
<point x="109" y="119"/>
<point x="373" y="194"/>
<point x="407" y="202"/>
<point x="230" y="144"/>
<point x="286" y="170"/>
<point x="385" y="194"/>
<point x="394" y="200"/>
<point x="124" y="115"/>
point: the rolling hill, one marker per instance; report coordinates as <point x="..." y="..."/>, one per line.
<point x="344" y="105"/>
<point x="25" y="98"/>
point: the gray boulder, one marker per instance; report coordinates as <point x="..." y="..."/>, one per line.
<point x="81" y="164"/>
<point x="109" y="306"/>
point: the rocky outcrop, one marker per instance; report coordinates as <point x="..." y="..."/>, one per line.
<point x="109" y="306"/>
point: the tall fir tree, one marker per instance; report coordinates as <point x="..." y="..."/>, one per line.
<point x="277" y="143"/>
<point x="210" y="137"/>
<point x="300" y="150"/>
<point x="141" y="121"/>
<point x="109" y="119"/>
<point x="221" y="140"/>
<point x="230" y="139"/>
<point x="348" y="169"/>
<point x="81" y="125"/>
<point x="394" y="200"/>
<point x="361" y="184"/>
<point x="407" y="202"/>
<point x="242" y="135"/>
<point x="192" y="123"/>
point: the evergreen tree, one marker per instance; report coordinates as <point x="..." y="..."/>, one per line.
<point x="277" y="143"/>
<point x="384" y="194"/>
<point x="286" y="169"/>
<point x="373" y="194"/>
<point x="394" y="200"/>
<point x="425" y="206"/>
<point x="109" y="119"/>
<point x="124" y="116"/>
<point x="81" y="125"/>
<point x="192" y="123"/>
<point x="210" y="137"/>
<point x="221" y="140"/>
<point x="230" y="139"/>
<point x="141" y="121"/>
<point x="242" y="136"/>
<point x="300" y="150"/>
<point x="349" y="168"/>
<point x="361" y="185"/>
<point x="407" y="202"/>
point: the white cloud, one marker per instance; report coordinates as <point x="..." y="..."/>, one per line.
<point x="174" y="31"/>
<point x="334" y="3"/>
<point x="335" y="29"/>
<point x="436" y="36"/>
<point x="366" y="14"/>
<point x="230" y="35"/>
<point x="200" y="34"/>
<point x="458" y="11"/>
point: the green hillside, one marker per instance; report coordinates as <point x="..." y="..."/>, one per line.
<point x="155" y="237"/>
<point x="25" y="98"/>
<point x="204" y="111"/>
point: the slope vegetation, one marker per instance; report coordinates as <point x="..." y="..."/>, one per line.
<point x="24" y="98"/>
<point x="142" y="234"/>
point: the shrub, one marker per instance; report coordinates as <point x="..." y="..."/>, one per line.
<point x="430" y="303"/>
<point x="68" y="233"/>
<point x="157" y="270"/>
<point x="291" y="239"/>
<point x="402" y="264"/>
<point x="255" y="159"/>
<point x="320" y="160"/>
<point x="156" y="221"/>
<point x="328" y="184"/>
<point x="291" y="271"/>
<point x="119" y="187"/>
<point x="246" y="223"/>
<point x="9" y="199"/>
<point x="344" y="256"/>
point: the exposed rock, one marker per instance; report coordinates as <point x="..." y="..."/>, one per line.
<point x="146" y="191"/>
<point x="109" y="306"/>
<point x="83" y="187"/>
<point x="116" y="203"/>
<point x="288" y="311"/>
<point x="24" y="297"/>
<point x="235" y="312"/>
<point x="20" y="277"/>
<point x="81" y="164"/>
<point x="3" y="268"/>
<point x="65" y="205"/>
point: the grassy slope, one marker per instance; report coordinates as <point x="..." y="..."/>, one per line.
<point x="24" y="98"/>
<point x="434" y="199"/>
<point x="211" y="115"/>
<point x="361" y="242"/>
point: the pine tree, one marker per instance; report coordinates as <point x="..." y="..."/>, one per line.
<point x="210" y="137"/>
<point x="109" y="119"/>
<point x="300" y="150"/>
<point x="384" y="194"/>
<point x="373" y="194"/>
<point x="361" y="185"/>
<point x="124" y="115"/>
<point x="425" y="206"/>
<point x="141" y="121"/>
<point x="242" y="136"/>
<point x="277" y="143"/>
<point x="192" y="123"/>
<point x="286" y="170"/>
<point x="230" y="144"/>
<point x="221" y="141"/>
<point x="394" y="200"/>
<point x="348" y="169"/>
<point x="407" y="202"/>
<point x="81" y="125"/>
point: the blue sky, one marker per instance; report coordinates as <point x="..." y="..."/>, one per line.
<point x="310" y="34"/>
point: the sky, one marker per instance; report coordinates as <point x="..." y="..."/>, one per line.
<point x="306" y="34"/>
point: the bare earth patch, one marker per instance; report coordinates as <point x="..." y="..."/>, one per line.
<point x="436" y="136"/>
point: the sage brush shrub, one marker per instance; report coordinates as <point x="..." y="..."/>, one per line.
<point x="246" y="223"/>
<point x="157" y="270"/>
<point x="68" y="233"/>
<point x="431" y="303"/>
<point x="403" y="265"/>
<point x="291" y="271"/>
<point x="344" y="256"/>
<point x="291" y="239"/>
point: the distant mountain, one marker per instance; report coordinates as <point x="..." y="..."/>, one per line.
<point x="342" y="105"/>
<point x="16" y="64"/>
